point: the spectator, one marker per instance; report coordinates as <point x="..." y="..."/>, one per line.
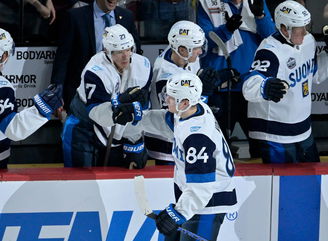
<point x="160" y="15"/>
<point x="109" y="78"/>
<point x="17" y="126"/>
<point x="81" y="38"/>
<point x="186" y="44"/>
<point x="278" y="88"/>
<point x="241" y="25"/>
<point x="203" y="177"/>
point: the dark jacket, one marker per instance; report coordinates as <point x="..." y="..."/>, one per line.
<point x="77" y="45"/>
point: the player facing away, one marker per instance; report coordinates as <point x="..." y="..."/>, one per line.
<point x="113" y="76"/>
<point x="204" y="169"/>
<point x="278" y="89"/>
<point x="17" y="126"/>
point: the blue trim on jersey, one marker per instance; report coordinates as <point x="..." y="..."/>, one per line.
<point x="169" y="119"/>
<point x="6" y="121"/>
<point x="167" y="56"/>
<point x="299" y="207"/>
<point x="67" y="138"/>
<point x="200" y="111"/>
<point x="200" y="178"/>
<point x="99" y="95"/>
<point x="90" y="107"/>
<point x="279" y="128"/>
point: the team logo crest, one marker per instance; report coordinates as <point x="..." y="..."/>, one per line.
<point x="305" y="88"/>
<point x="291" y="63"/>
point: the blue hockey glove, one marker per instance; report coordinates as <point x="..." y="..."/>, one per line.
<point x="169" y="220"/>
<point x="49" y="100"/>
<point x="274" y="89"/>
<point x="233" y="22"/>
<point x="257" y="7"/>
<point x="127" y="112"/>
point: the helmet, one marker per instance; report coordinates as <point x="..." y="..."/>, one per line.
<point x="6" y="45"/>
<point x="183" y="86"/>
<point x="291" y="14"/>
<point x="187" y="34"/>
<point x="116" y="38"/>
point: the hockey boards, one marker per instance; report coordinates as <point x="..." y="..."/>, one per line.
<point x="142" y="200"/>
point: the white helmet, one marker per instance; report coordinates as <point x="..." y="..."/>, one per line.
<point x="187" y="34"/>
<point x="291" y="14"/>
<point x="183" y="86"/>
<point x="117" y="38"/>
<point x="6" y="45"/>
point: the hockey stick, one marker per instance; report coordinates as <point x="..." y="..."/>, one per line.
<point x="142" y="200"/>
<point x="221" y="45"/>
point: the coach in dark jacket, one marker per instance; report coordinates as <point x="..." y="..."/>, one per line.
<point x="80" y="39"/>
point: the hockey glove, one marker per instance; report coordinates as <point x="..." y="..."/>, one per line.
<point x="132" y="94"/>
<point x="274" y="89"/>
<point x="227" y="75"/>
<point x="135" y="154"/>
<point x="127" y="112"/>
<point x="233" y="22"/>
<point x="257" y="7"/>
<point x="210" y="79"/>
<point x="49" y="100"/>
<point x="169" y="220"/>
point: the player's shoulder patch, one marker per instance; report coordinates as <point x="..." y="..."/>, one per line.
<point x="3" y="82"/>
<point x="165" y="75"/>
<point x="96" y="68"/>
<point x="268" y="46"/>
<point x="146" y="63"/>
<point x="195" y="128"/>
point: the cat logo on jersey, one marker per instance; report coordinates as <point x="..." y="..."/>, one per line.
<point x="184" y="32"/>
<point x="291" y="63"/>
<point x="305" y="88"/>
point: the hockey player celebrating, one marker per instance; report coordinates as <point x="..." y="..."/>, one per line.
<point x="203" y="176"/>
<point x="17" y="126"/>
<point x="187" y="43"/>
<point x="112" y="77"/>
<point x="278" y="89"/>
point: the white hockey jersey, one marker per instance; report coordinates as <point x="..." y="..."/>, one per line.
<point x="287" y="121"/>
<point x="163" y="69"/>
<point x="204" y="169"/>
<point x="100" y="82"/>
<point x="15" y="126"/>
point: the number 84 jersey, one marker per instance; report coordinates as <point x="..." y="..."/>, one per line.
<point x="204" y="166"/>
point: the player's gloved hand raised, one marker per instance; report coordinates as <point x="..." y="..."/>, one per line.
<point x="127" y="112"/>
<point x="49" y="100"/>
<point x="210" y="79"/>
<point x="134" y="94"/>
<point x="169" y="220"/>
<point x="233" y="22"/>
<point x="274" y="89"/>
<point x="228" y="74"/>
<point x="257" y="7"/>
